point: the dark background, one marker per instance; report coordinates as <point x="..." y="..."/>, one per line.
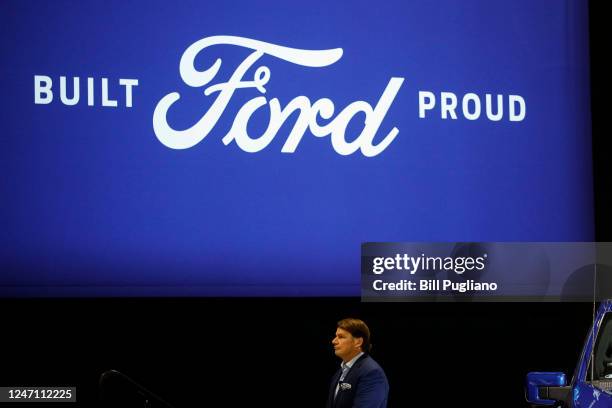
<point x="238" y="352"/>
<point x="277" y="352"/>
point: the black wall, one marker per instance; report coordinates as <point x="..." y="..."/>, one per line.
<point x="277" y="352"/>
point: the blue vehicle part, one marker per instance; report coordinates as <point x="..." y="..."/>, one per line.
<point x="591" y="385"/>
<point x="536" y="380"/>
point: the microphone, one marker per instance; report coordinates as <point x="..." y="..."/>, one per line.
<point x="117" y="389"/>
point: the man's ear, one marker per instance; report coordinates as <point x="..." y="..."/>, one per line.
<point x="359" y="342"/>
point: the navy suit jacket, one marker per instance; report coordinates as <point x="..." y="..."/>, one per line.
<point x="366" y="386"/>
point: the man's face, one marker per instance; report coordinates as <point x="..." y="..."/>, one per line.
<point x="345" y="345"/>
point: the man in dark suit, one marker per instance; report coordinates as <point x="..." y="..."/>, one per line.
<point x="360" y="382"/>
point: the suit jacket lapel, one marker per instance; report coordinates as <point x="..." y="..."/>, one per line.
<point x="332" y="388"/>
<point x="355" y="368"/>
<point x="352" y="372"/>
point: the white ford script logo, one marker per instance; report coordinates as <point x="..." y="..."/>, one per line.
<point x="317" y="117"/>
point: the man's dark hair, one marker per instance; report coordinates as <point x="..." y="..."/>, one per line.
<point x="358" y="329"/>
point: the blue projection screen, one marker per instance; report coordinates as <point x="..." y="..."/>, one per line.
<point x="249" y="148"/>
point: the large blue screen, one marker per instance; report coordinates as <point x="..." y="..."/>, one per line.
<point x="249" y="148"/>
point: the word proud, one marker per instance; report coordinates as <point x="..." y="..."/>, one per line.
<point x="309" y="113"/>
